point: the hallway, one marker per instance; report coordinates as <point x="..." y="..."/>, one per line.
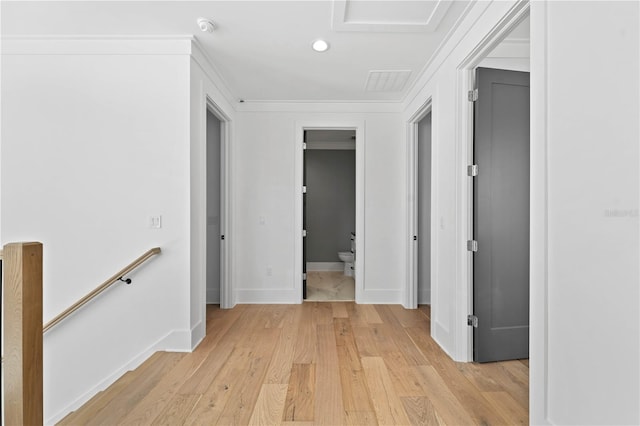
<point x="314" y="363"/>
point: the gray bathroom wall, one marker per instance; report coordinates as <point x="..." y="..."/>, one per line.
<point x="424" y="210"/>
<point x="331" y="202"/>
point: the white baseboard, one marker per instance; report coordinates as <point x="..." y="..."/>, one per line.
<point x="173" y="341"/>
<point x="325" y="266"/>
<point x="198" y="333"/>
<point x="276" y="296"/>
<point x="379" y="297"/>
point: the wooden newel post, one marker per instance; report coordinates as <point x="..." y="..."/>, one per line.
<point x="22" y="322"/>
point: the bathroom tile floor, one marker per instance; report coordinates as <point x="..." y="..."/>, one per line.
<point x="330" y="286"/>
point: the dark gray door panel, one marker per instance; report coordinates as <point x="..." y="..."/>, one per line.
<point x="501" y="215"/>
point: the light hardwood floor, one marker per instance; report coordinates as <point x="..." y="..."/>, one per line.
<point x="314" y="363"/>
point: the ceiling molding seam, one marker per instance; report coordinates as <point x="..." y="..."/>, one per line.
<point x="208" y="66"/>
<point x="413" y="90"/>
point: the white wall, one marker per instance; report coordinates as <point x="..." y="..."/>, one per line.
<point x="92" y="145"/>
<point x="263" y="174"/>
<point x="585" y="292"/>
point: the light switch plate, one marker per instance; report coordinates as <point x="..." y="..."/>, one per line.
<point x="155" y="222"/>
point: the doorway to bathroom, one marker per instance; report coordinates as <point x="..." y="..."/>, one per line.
<point x="329" y="215"/>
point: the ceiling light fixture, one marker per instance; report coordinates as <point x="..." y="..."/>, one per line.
<point x="206" y="25"/>
<point x="320" y="46"/>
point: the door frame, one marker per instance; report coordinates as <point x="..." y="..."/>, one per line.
<point x="300" y="127"/>
<point x="465" y="126"/>
<point x="411" y="292"/>
<point x="226" y="294"/>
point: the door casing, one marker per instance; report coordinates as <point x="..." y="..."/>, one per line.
<point x="226" y="294"/>
<point x="359" y="128"/>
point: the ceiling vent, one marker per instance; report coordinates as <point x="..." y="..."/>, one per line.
<point x="387" y="81"/>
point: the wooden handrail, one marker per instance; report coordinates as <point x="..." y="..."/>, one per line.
<point x="108" y="283"/>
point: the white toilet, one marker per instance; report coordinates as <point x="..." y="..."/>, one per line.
<point x="347" y="257"/>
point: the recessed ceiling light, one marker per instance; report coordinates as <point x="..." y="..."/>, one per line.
<point x="320" y="46"/>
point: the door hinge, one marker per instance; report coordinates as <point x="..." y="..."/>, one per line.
<point x="304" y="276"/>
<point x="472" y="245"/>
<point x="472" y="170"/>
<point x="304" y="189"/>
<point x="304" y="145"/>
<point x="415" y="238"/>
<point x="472" y="321"/>
<point x="222" y="237"/>
<point x="304" y="233"/>
<point x="472" y="96"/>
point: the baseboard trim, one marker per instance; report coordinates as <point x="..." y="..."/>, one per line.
<point x="174" y="341"/>
<point x="380" y="297"/>
<point x="325" y="266"/>
<point x="276" y="296"/>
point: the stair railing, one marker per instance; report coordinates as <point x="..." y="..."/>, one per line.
<point x="23" y="330"/>
<point x="119" y="276"/>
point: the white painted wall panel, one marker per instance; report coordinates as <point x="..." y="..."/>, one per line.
<point x="593" y="180"/>
<point x="264" y="187"/>
<point x="92" y="145"/>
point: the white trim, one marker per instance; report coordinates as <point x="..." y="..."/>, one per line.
<point x="359" y="127"/>
<point x="428" y="25"/>
<point x="207" y="65"/>
<point x="225" y="296"/>
<point x="174" y="341"/>
<point x="325" y="266"/>
<point x="380" y="297"/>
<point x="97" y="45"/>
<point x="284" y="296"/>
<point x="320" y="106"/>
<point x="410" y="300"/>
<point x="539" y="392"/>
<point x="439" y="56"/>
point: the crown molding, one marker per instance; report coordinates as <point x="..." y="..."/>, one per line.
<point x="207" y="65"/>
<point x="96" y="45"/>
<point x="320" y="106"/>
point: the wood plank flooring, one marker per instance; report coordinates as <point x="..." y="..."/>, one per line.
<point x="313" y="364"/>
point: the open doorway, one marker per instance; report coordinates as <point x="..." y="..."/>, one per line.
<point x="329" y="215"/>
<point x="215" y="237"/>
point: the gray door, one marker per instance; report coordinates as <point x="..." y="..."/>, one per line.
<point x="424" y="210"/>
<point x="213" y="208"/>
<point x="501" y="216"/>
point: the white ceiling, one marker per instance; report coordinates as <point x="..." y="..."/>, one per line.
<point x="262" y="49"/>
